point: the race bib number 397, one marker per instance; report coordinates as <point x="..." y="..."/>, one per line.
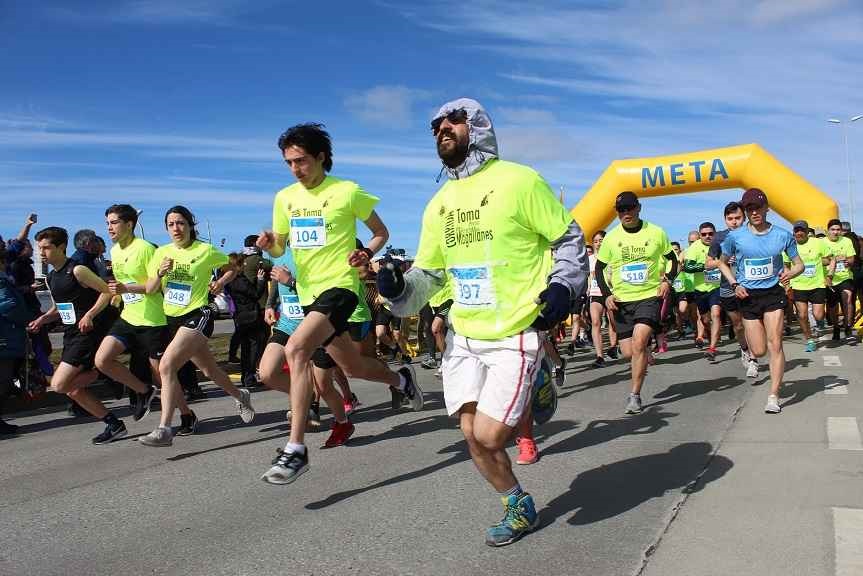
<point x="308" y="233"/>
<point x="473" y="286"/>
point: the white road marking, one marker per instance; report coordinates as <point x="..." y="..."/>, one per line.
<point x="843" y="433"/>
<point x="835" y="386"/>
<point x="832" y="361"/>
<point x="848" y="536"/>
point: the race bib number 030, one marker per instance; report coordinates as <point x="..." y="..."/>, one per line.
<point x="178" y="294"/>
<point x="473" y="286"/>
<point x="635" y="273"/>
<point x="291" y="307"/>
<point x="308" y="233"/>
<point x="67" y="313"/>
<point x="758" y="268"/>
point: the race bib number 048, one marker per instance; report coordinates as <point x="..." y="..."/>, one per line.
<point x="473" y="286"/>
<point x="635" y="273"/>
<point x="758" y="268"/>
<point x="308" y="233"/>
<point x="178" y="294"/>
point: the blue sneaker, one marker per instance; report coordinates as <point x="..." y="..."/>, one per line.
<point x="810" y="346"/>
<point x="520" y="517"/>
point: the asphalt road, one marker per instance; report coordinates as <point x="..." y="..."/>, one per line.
<point x="703" y="482"/>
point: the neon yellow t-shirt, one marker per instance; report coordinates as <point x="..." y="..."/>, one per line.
<point x="321" y="225"/>
<point x="361" y="312"/>
<point x="636" y="260"/>
<point x="814" y="271"/>
<point x="841" y="248"/>
<point x="441" y="296"/>
<point x="187" y="286"/>
<point x="491" y="232"/>
<point x="130" y="267"/>
<point x="708" y="280"/>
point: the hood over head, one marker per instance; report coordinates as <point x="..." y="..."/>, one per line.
<point x="482" y="145"/>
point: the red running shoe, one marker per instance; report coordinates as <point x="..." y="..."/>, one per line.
<point x="527" y="451"/>
<point x="339" y="434"/>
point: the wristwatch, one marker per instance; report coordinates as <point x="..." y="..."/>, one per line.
<point x="735" y="285"/>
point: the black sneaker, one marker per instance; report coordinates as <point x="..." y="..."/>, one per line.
<point x="613" y="353"/>
<point x="836" y="333"/>
<point x="599" y="362"/>
<point x="142" y="406"/>
<point x="111" y="433"/>
<point x="6" y="428"/>
<point x="188" y="424"/>
<point x="560" y="373"/>
<point x="412" y="392"/>
<point x="195" y="393"/>
<point x="850" y="338"/>
<point x="315" y="415"/>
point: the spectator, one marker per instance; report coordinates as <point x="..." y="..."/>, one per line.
<point x="14" y="316"/>
<point x="248" y="318"/>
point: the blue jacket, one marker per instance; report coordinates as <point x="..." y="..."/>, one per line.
<point x="14" y="316"/>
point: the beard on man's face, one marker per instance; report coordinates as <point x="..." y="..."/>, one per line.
<point x="452" y="152"/>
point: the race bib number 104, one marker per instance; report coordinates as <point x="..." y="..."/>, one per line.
<point x="308" y="233"/>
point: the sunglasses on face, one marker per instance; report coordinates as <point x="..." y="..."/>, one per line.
<point x="455" y="117"/>
<point x="706" y="233"/>
<point x="623" y="209"/>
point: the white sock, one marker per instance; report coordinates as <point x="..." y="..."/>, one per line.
<point x="295" y="448"/>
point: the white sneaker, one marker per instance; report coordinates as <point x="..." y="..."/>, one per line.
<point x="744" y="358"/>
<point x="244" y="406"/>
<point x="772" y="406"/>
<point x="752" y="368"/>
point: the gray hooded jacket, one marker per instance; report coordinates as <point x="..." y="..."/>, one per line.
<point x="570" y="257"/>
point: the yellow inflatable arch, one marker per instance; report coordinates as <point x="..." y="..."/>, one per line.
<point x="745" y="166"/>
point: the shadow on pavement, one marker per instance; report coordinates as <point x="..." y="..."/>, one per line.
<point x="798" y="391"/>
<point x="684" y="390"/>
<point x="601" y="431"/>
<point x="607" y="491"/>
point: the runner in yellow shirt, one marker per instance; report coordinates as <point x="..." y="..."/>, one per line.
<point x="183" y="270"/>
<point x="811" y="286"/>
<point x="142" y="324"/>
<point x="840" y="285"/>
<point x="316" y="217"/>
<point x="635" y="252"/>
<point x="706" y="285"/>
<point x="487" y="232"/>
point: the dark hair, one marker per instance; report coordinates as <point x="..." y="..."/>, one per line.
<point x="676" y="244"/>
<point x="235" y="259"/>
<point x="733" y="207"/>
<point x="250" y="240"/>
<point x="600" y="233"/>
<point x="84" y="238"/>
<point x="124" y="212"/>
<point x="707" y="225"/>
<point x="310" y="137"/>
<point x="187" y="215"/>
<point x="834" y="222"/>
<point x="53" y="234"/>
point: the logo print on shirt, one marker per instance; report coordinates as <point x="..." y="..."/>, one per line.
<point x="485" y="199"/>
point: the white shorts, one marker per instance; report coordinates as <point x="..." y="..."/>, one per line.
<point x="496" y="374"/>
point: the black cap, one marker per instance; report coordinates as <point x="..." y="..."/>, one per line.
<point x="754" y="197"/>
<point x="626" y="200"/>
<point x="801" y="225"/>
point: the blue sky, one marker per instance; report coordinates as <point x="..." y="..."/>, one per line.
<point x="158" y="102"/>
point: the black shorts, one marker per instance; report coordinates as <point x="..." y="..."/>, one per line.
<point x="322" y="360"/>
<point x="337" y="304"/>
<point x="815" y="296"/>
<point x="80" y="349"/>
<point x="576" y="305"/>
<point x="442" y="311"/>
<point x="729" y="303"/>
<point x="689" y="296"/>
<point x="151" y="339"/>
<point x="385" y="318"/>
<point x="278" y="337"/>
<point x="359" y="330"/>
<point x="202" y="321"/>
<point x="761" y="301"/>
<point x="628" y="314"/>
<point x="706" y="300"/>
<point x="834" y="295"/>
<point x="598" y="300"/>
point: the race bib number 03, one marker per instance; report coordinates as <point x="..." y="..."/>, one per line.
<point x="635" y="273"/>
<point x="758" y="268"/>
<point x="712" y="276"/>
<point x="67" y="313"/>
<point x="308" y="233"/>
<point x="473" y="286"/>
<point x="809" y="270"/>
<point x="291" y="307"/>
<point x="178" y="294"/>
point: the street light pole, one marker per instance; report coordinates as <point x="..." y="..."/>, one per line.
<point x="851" y="207"/>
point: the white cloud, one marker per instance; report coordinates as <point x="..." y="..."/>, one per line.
<point x="386" y="105"/>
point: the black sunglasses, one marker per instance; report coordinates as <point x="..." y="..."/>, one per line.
<point x="455" y="117"/>
<point x="627" y="208"/>
<point x="706" y="233"/>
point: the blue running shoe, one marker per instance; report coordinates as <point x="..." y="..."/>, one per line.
<point x="810" y="346"/>
<point x="544" y="399"/>
<point x="520" y="517"/>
